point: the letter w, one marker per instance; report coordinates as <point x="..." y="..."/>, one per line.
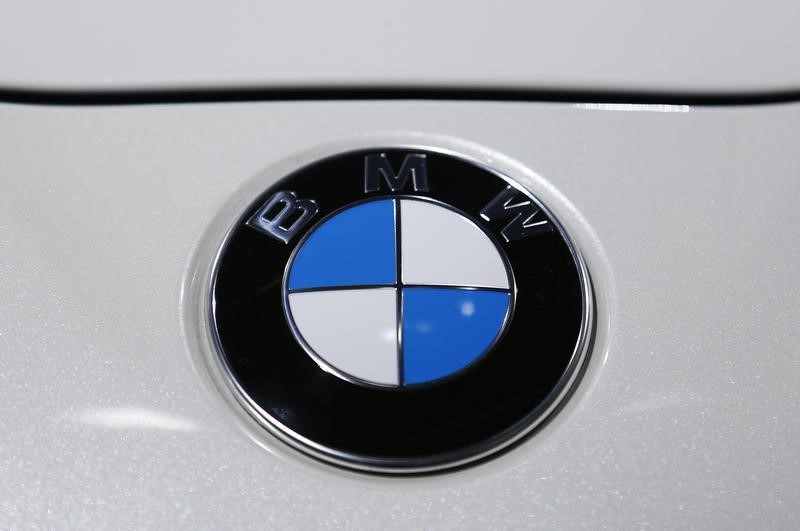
<point x="524" y="215"/>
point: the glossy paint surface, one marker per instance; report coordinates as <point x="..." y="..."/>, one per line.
<point x="685" y="417"/>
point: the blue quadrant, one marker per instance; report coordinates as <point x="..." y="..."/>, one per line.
<point x="444" y="330"/>
<point x="356" y="246"/>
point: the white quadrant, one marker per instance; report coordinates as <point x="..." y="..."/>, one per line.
<point x="441" y="247"/>
<point x="354" y="330"/>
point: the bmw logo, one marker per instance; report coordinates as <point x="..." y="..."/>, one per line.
<point x="399" y="310"/>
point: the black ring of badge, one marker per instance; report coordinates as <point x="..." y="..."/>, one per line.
<point x="418" y="428"/>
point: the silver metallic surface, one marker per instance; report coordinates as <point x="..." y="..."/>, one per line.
<point x="275" y="226"/>
<point x="664" y="47"/>
<point x="379" y="173"/>
<point x="686" y="415"/>
<point x="522" y="212"/>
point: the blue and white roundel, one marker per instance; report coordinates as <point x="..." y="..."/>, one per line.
<point x="398" y="292"/>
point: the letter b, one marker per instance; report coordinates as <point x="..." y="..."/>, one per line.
<point x="283" y="216"/>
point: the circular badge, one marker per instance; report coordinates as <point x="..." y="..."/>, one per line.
<point x="399" y="310"/>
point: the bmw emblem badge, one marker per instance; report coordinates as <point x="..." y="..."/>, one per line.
<point x="399" y="310"/>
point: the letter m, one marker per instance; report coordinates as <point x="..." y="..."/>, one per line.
<point x="526" y="218"/>
<point x="377" y="169"/>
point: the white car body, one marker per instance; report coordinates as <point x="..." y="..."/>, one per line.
<point x="665" y="139"/>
